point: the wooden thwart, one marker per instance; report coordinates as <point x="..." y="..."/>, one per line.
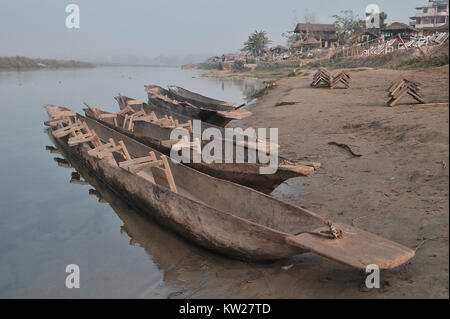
<point x="66" y="130"/>
<point x="138" y="164"/>
<point x="107" y="149"/>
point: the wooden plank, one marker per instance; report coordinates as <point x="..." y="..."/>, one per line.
<point x="100" y="148"/>
<point x="316" y="165"/>
<point x="298" y="168"/>
<point x="168" y="173"/>
<point x="135" y="102"/>
<point x="59" y="134"/>
<point x="357" y="248"/>
<point x="96" y="141"/>
<point x="139" y="167"/>
<point x="55" y="122"/>
<point x="431" y="104"/>
<point x="169" y="143"/>
<point x="125" y="150"/>
<point x="139" y="160"/>
<point x="107" y="116"/>
<point x="79" y="141"/>
<point x="108" y="151"/>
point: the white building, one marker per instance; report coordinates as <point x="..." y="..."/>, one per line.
<point x="433" y="15"/>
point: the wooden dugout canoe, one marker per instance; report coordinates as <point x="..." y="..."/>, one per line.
<point x="225" y="217"/>
<point x="180" y="94"/>
<point x="162" y="98"/>
<point x="247" y="174"/>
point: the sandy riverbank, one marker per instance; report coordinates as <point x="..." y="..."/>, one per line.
<point x="397" y="189"/>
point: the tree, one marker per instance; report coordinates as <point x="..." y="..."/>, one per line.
<point x="256" y="43"/>
<point x="347" y="25"/>
<point x="383" y="17"/>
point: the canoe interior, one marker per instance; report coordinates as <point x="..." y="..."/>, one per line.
<point x="246" y="174"/>
<point x="222" y="195"/>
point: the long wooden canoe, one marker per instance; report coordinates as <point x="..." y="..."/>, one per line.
<point x="247" y="174"/>
<point x="162" y="98"/>
<point x="219" y="215"/>
<point x="180" y="94"/>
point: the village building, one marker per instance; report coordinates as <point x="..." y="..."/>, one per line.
<point x="399" y="30"/>
<point x="363" y="37"/>
<point x="325" y="35"/>
<point x="431" y="16"/>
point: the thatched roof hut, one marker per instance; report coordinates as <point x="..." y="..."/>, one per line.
<point x="399" y="29"/>
<point x="324" y="33"/>
<point x="399" y="26"/>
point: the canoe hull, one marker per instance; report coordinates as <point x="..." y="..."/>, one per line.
<point x="212" y="229"/>
<point x="194" y="113"/>
<point x="227" y="218"/>
<point x="180" y="94"/>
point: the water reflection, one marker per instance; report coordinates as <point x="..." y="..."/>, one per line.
<point x="166" y="249"/>
<point x="48" y="222"/>
<point x="62" y="162"/>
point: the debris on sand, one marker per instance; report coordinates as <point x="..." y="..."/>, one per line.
<point x="346" y="147"/>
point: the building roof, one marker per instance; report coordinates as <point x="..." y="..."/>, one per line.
<point x="314" y="27"/>
<point x="398" y="26"/>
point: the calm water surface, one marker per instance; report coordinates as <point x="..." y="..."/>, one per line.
<point x="47" y="222"/>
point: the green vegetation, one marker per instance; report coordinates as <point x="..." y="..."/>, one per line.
<point x="256" y="43"/>
<point x="323" y="63"/>
<point x="424" y="62"/>
<point x="239" y="66"/>
<point x="209" y="66"/>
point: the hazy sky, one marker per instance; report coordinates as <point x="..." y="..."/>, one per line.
<point x="153" y="27"/>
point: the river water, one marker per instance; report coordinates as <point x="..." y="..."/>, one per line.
<point x="47" y="222"/>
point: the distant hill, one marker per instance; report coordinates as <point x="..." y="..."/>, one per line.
<point x="162" y="60"/>
<point x="20" y="62"/>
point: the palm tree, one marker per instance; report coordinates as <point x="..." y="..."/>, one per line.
<point x="256" y="43"/>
